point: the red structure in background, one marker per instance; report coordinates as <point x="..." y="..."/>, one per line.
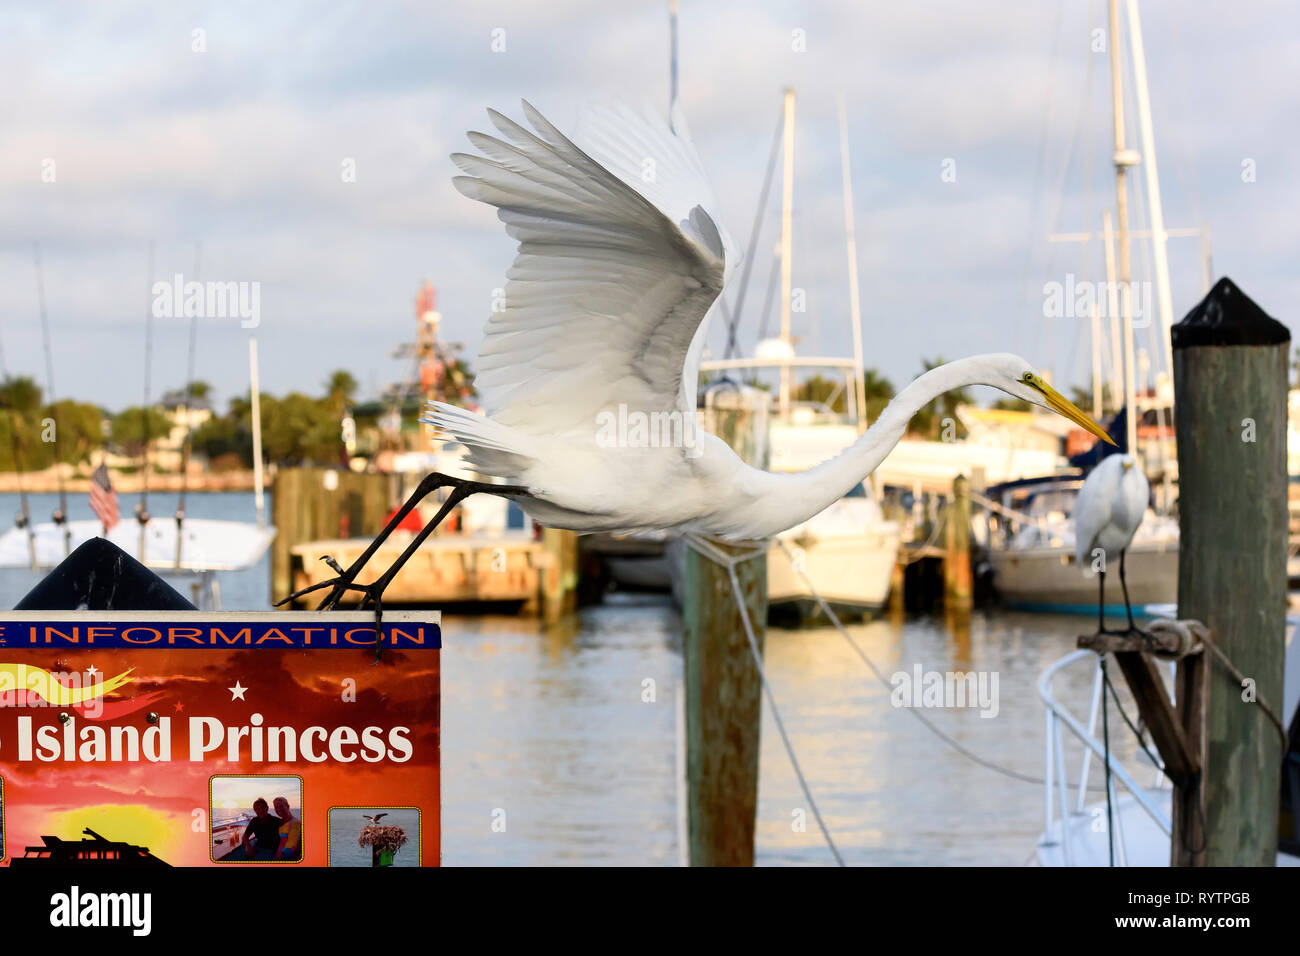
<point x="433" y="370"/>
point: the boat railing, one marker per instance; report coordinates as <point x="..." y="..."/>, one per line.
<point x="1056" y="789"/>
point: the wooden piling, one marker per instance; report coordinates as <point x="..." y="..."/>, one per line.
<point x="560" y="582"/>
<point x="308" y="505"/>
<point x="723" y="708"/>
<point x="958" y="593"/>
<point x="1230" y="381"/>
<point x="722" y="686"/>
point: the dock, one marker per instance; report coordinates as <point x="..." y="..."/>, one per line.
<point x="450" y="569"/>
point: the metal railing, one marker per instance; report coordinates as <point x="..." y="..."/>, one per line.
<point x="1056" y="783"/>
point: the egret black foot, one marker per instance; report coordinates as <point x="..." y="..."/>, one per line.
<point x="338" y="586"/>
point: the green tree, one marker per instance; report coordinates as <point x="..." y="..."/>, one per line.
<point x="340" y="387"/>
<point x="20" y="444"/>
<point x="199" y="390"/>
<point x="1011" y="404"/>
<point x="78" y="432"/>
<point x="298" y="429"/>
<point x="929" y="420"/>
<point x="879" y="391"/>
<point x="819" y="390"/>
<point x="134" y="426"/>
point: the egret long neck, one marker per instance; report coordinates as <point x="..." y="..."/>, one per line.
<point x="800" y="496"/>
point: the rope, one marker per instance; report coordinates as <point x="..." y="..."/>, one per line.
<point x="734" y="320"/>
<point x="941" y="519"/>
<point x="718" y="556"/>
<point x="954" y="744"/>
<point x="1241" y="679"/>
<point x="1105" y="737"/>
<point x="773" y="275"/>
<point x="1196" y="781"/>
<point x="1188" y="634"/>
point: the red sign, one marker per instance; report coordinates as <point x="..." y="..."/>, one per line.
<point x="196" y="738"/>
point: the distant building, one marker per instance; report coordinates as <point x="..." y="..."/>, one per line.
<point x="185" y="415"/>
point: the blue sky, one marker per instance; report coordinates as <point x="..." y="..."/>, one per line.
<point x="240" y="148"/>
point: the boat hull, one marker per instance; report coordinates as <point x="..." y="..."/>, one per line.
<point x="1049" y="579"/>
<point x="853" y="571"/>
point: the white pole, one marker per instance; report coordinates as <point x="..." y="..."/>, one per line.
<point x="1112" y="307"/>
<point x="1123" y="159"/>
<point x="1096" y="362"/>
<point x="851" y="247"/>
<point x="259" y="494"/>
<point x="787" y="244"/>
<point x="1158" y="236"/>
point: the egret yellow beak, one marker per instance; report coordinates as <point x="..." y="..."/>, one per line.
<point x="1067" y="409"/>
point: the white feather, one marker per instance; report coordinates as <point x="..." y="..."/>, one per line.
<point x="1109" y="509"/>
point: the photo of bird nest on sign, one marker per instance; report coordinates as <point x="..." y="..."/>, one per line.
<point x="374" y="836"/>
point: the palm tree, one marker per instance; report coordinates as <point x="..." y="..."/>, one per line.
<point x="929" y="419"/>
<point x="879" y="392"/>
<point x="339" y="389"/>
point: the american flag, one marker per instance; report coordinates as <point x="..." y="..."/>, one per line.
<point x="103" y="499"/>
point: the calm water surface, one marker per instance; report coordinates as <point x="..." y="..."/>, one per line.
<point x="546" y="728"/>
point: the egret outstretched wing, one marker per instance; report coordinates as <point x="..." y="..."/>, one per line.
<point x="619" y="260"/>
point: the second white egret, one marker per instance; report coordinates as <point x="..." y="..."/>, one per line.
<point x="1107" y="514"/>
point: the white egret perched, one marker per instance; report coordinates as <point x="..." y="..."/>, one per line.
<point x="1107" y="513"/>
<point x="620" y="260"/>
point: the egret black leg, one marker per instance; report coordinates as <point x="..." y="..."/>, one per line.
<point x="1101" y="602"/>
<point x="461" y="489"/>
<point x="343" y="583"/>
<point x="1128" y="608"/>
<point x="1147" y="636"/>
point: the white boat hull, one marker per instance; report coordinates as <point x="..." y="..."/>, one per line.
<point x="1049" y="579"/>
<point x="206" y="544"/>
<point x="849" y="570"/>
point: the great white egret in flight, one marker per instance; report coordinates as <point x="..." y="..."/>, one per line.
<point x="1107" y="513"/>
<point x="620" y="259"/>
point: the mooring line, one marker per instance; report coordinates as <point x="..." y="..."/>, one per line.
<point x="711" y="551"/>
<point x="950" y="741"/>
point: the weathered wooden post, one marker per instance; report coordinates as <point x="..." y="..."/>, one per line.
<point x="321" y="503"/>
<point x="1230" y="382"/>
<point x="722" y="685"/>
<point x="958" y="594"/>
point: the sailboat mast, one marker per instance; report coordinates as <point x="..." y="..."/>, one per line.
<point x="1117" y="393"/>
<point x="1158" y="236"/>
<point x="787" y="244"/>
<point x="851" y="248"/>
<point x="1123" y="159"/>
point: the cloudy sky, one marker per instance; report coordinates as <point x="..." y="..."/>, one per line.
<point x="241" y="146"/>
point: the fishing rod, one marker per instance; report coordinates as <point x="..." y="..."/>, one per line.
<point x="60" y="515"/>
<point x="185" y="415"/>
<point x="23" y="519"/>
<point x="142" y="509"/>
